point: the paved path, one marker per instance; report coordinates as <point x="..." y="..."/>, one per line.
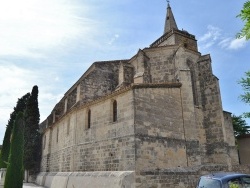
<point x="31" y="185"/>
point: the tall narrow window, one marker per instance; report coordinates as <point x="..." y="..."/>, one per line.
<point x="44" y="142"/>
<point x="68" y="126"/>
<point x="114" y="111"/>
<point x="193" y="81"/>
<point x="57" y="134"/>
<point x="89" y="118"/>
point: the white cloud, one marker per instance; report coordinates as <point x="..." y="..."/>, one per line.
<point x="115" y="37"/>
<point x="16" y="82"/>
<point x="232" y="43"/>
<point x="213" y="36"/>
<point x="213" y="33"/>
<point x="210" y="38"/>
<point x="39" y="29"/>
<point x="29" y="26"/>
<point x="13" y="80"/>
<point x="237" y="43"/>
<point x="48" y="101"/>
<point x="225" y="42"/>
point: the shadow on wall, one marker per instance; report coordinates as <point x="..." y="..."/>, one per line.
<point x="244" y="149"/>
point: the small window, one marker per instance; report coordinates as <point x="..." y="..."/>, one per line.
<point x="68" y="126"/>
<point x="89" y="119"/>
<point x="44" y="142"/>
<point x="114" y="111"/>
<point x="57" y="134"/>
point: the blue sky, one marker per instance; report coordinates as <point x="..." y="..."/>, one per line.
<point x="51" y="43"/>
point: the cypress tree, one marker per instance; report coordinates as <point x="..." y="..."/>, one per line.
<point x="20" y="107"/>
<point x="6" y="147"/>
<point x="32" y="136"/>
<point x="14" y="174"/>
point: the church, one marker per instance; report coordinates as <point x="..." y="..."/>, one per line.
<point x="153" y="120"/>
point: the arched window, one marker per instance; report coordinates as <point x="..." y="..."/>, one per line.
<point x="57" y="134"/>
<point x="44" y="142"/>
<point x="114" y="111"/>
<point x="89" y="119"/>
<point x="68" y="126"/>
<point x="193" y="81"/>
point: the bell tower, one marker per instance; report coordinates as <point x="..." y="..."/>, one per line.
<point x="173" y="36"/>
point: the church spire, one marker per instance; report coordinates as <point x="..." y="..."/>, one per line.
<point x="170" y="21"/>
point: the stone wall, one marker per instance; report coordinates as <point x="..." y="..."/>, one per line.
<point x="191" y="112"/>
<point x="229" y="131"/>
<point x="158" y="115"/>
<point x="181" y="177"/>
<point x="126" y="75"/>
<point x="187" y="41"/>
<point x="244" y="149"/>
<point x="107" y="145"/>
<point x="161" y="64"/>
<point x="71" y="146"/>
<point x="216" y="146"/>
<point x="99" y="82"/>
<point x="160" y="139"/>
<point x="230" y="139"/>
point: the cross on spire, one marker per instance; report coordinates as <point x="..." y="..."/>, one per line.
<point x="168" y="2"/>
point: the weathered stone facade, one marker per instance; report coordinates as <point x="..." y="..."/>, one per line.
<point x="244" y="150"/>
<point x="158" y="114"/>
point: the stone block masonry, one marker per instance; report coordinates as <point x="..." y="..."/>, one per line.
<point x="156" y="117"/>
<point x="98" y="148"/>
<point x="180" y="177"/>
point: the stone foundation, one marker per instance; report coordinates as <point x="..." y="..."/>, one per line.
<point x="114" y="179"/>
<point x="181" y="177"/>
<point x="167" y="178"/>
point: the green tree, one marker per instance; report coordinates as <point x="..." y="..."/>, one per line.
<point x="245" y="83"/>
<point x="240" y="126"/>
<point x="32" y="136"/>
<point x="245" y="17"/>
<point x="20" y="107"/>
<point x="14" y="174"/>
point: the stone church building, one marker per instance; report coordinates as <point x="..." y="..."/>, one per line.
<point x="153" y="120"/>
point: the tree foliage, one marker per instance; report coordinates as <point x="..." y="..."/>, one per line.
<point x="14" y="174"/>
<point x="245" y="83"/>
<point x="240" y="126"/>
<point x="245" y="17"/>
<point x="32" y="136"/>
<point x="20" y="107"/>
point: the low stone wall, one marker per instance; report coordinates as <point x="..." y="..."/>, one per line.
<point x="241" y="168"/>
<point x="40" y="179"/>
<point x="114" y="179"/>
<point x="2" y="176"/>
<point x="167" y="178"/>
